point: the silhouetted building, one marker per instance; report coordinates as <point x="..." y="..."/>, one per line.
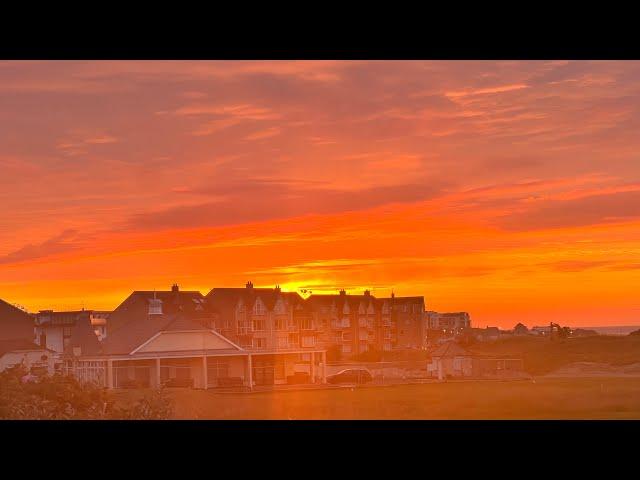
<point x="520" y="330"/>
<point x="15" y="323"/>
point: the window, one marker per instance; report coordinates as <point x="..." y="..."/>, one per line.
<point x="307" y="323"/>
<point x="258" y="308"/>
<point x="308" y="341"/>
<point x="155" y="306"/>
<point x="217" y="369"/>
<point x="258" y="325"/>
<point x="279" y="308"/>
<point x="280" y="323"/>
<point x="259" y="343"/>
<point x="293" y="340"/>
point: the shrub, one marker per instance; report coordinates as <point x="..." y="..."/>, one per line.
<point x="60" y="397"/>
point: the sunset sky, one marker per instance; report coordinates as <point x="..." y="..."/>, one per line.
<point x="510" y="190"/>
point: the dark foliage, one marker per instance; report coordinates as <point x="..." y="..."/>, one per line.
<point x="60" y="397"/>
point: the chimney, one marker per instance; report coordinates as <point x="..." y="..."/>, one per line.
<point x="342" y="292"/>
<point x="249" y="285"/>
<point x="277" y="289"/>
<point x="175" y="288"/>
<point x="393" y="295"/>
<point x="367" y="293"/>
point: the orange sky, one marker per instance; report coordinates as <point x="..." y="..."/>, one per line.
<point x="507" y="189"/>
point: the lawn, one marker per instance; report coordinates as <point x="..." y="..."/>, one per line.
<point x="542" y="356"/>
<point x="567" y="398"/>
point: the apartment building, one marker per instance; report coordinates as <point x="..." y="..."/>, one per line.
<point x="262" y="318"/>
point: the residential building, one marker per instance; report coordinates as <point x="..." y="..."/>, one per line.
<point x="15" y="323"/>
<point x="450" y="360"/>
<point x="24" y="352"/>
<point x="520" y="330"/>
<point x="16" y="341"/>
<point x="451" y="322"/>
<point x="348" y="323"/>
<point x="170" y="338"/>
<point x="262" y="318"/>
<point x="541" y="331"/>
<point x="54" y="330"/>
<point x="407" y="322"/>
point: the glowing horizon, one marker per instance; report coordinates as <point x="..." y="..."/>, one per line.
<point x="510" y="190"/>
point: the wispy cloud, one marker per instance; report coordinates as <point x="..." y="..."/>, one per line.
<point x="60" y="243"/>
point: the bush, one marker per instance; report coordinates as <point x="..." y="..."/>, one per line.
<point x="60" y="397"/>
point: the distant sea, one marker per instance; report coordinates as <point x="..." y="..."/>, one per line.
<point x="614" y="330"/>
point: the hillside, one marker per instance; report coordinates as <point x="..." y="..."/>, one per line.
<point x="542" y="355"/>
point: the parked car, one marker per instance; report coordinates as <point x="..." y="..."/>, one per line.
<point x="351" y="375"/>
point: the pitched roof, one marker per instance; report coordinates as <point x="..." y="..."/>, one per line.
<point x="224" y="300"/>
<point x="450" y="349"/>
<point x="353" y="301"/>
<point x="17" y="344"/>
<point x="137" y="304"/>
<point x="130" y="324"/>
<point x="83" y="336"/>
<point x="14" y="323"/>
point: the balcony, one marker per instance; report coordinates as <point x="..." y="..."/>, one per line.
<point x="244" y="329"/>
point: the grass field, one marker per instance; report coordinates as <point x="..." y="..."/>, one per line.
<point x="542" y="356"/>
<point x="567" y="398"/>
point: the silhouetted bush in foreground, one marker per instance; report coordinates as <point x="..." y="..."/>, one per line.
<point x="63" y="398"/>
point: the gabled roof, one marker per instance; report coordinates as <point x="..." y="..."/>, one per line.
<point x="17" y="345"/>
<point x="450" y="349"/>
<point x="14" y="323"/>
<point x="141" y="329"/>
<point x="224" y="300"/>
<point x="353" y="301"/>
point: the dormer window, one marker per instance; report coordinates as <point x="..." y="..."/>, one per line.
<point x="279" y="307"/>
<point x="155" y="306"/>
<point x="259" y="308"/>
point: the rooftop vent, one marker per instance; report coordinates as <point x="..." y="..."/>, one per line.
<point x="343" y="292"/>
<point x="249" y="285"/>
<point x="175" y="288"/>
